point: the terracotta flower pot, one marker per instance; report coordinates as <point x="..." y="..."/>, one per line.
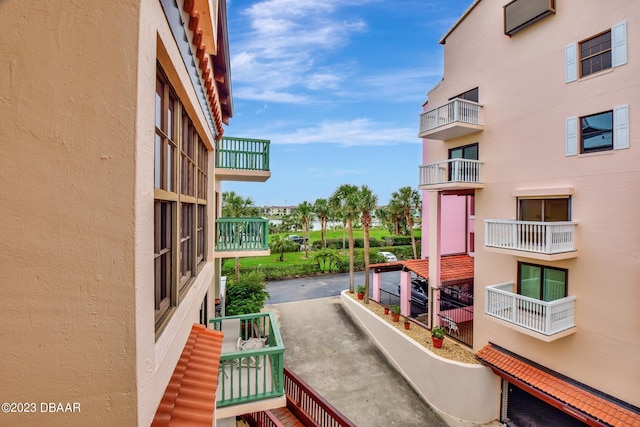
<point x="395" y="317"/>
<point x="407" y="325"/>
<point x="361" y="296"/>
<point x="386" y="310"/>
<point x="437" y="342"/>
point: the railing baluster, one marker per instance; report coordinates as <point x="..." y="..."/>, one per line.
<point x="545" y="317"/>
<point x="244" y="154"/>
<point x="530" y="236"/>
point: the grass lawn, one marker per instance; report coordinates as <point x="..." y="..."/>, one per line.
<point x="298" y="258"/>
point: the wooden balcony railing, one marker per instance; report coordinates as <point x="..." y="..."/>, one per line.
<point x="242" y="234"/>
<point x="252" y="374"/>
<point x="458" y="111"/>
<point x="544" y="317"/>
<point x="311" y="408"/>
<point x="451" y="171"/>
<point x="242" y="153"/>
<point x="530" y="236"/>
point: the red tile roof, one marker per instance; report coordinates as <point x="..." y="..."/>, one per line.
<point x="452" y="267"/>
<point x="578" y="399"/>
<point x="190" y="396"/>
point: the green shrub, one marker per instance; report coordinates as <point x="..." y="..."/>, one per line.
<point x="247" y="295"/>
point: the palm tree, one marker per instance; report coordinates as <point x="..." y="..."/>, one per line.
<point x="344" y="201"/>
<point x="322" y="209"/>
<point x="408" y="201"/>
<point x="338" y="215"/>
<point x="367" y="202"/>
<point x="234" y="205"/>
<point x="282" y="244"/>
<point x="304" y="212"/>
<point x="396" y="218"/>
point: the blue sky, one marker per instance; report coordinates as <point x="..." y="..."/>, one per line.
<point x="337" y="86"/>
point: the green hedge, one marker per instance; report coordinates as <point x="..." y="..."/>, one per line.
<point x="359" y="242"/>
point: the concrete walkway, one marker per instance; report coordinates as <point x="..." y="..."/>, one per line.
<point x="328" y="351"/>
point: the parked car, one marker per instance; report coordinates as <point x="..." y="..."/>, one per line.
<point x="297" y="239"/>
<point x="388" y="256"/>
<point x="419" y="296"/>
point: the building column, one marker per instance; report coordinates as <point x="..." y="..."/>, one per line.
<point x="435" y="211"/>
<point x="376" y="285"/>
<point x="405" y="293"/>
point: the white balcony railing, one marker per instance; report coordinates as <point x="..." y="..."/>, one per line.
<point x="456" y="110"/>
<point x="450" y="171"/>
<point x="545" y="317"/>
<point x="530" y="236"/>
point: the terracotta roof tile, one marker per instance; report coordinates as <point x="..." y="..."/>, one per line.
<point x="452" y="267"/>
<point x="190" y="396"/>
<point x="570" y="394"/>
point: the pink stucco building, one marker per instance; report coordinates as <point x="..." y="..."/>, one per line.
<point x="531" y="164"/>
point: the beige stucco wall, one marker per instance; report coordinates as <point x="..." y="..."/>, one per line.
<point x="68" y="110"/>
<point x="77" y="100"/>
<point x="438" y="380"/>
<point x="526" y="102"/>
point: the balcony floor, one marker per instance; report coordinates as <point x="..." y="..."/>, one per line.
<point x="527" y="315"/>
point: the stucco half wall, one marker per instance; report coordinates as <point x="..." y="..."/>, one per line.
<point x="460" y="390"/>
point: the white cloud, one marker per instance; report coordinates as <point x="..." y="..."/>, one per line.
<point x="357" y="132"/>
<point x="284" y="45"/>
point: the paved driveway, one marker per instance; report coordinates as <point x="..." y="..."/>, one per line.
<point x="327" y="350"/>
<point x="323" y="286"/>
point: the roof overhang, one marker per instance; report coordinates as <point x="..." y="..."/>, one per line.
<point x="576" y="399"/>
<point x="208" y="23"/>
<point x="190" y="396"/>
<point x="453" y="268"/>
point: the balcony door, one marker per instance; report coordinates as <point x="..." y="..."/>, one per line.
<point x="541" y="210"/>
<point x="458" y="171"/>
<point x="541" y="282"/>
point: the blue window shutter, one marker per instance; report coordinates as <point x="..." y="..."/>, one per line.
<point x="571" y="137"/>
<point x="619" y="44"/>
<point x="621" y="127"/>
<point x="570" y="67"/>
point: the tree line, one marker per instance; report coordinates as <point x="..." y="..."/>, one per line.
<point x="349" y="205"/>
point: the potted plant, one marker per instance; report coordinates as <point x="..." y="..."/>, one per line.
<point x="386" y="309"/>
<point x="360" y="292"/>
<point x="437" y="336"/>
<point x="407" y="323"/>
<point x="395" y="313"/>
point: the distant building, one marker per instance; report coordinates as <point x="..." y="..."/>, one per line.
<point x="272" y="211"/>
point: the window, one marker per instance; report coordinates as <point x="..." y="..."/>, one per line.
<point x="180" y="181"/>
<point x="541" y="282"/>
<point x="470" y="95"/>
<point x="596" y="132"/>
<point x="608" y="130"/>
<point x="546" y="210"/>
<point x="469" y="152"/>
<point x="603" y="51"/>
<point x="595" y="54"/>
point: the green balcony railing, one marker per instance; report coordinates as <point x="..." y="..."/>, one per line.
<point x="242" y="153"/>
<point x="255" y="372"/>
<point x="242" y="234"/>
